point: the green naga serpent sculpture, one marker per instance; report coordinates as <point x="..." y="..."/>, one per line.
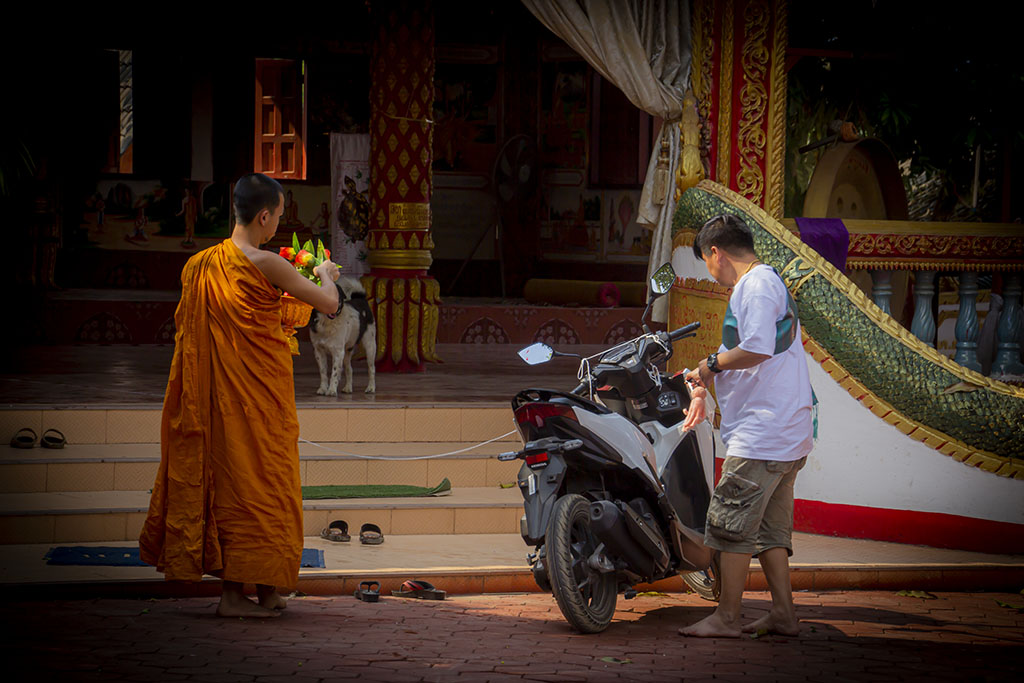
<point x="869" y="344"/>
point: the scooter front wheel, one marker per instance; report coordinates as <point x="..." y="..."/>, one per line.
<point x="585" y="596"/>
<point x="708" y="583"/>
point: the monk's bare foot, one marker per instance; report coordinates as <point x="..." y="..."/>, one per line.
<point x="273" y="601"/>
<point x="712" y="626"/>
<point x="243" y="607"/>
<point x="772" y="623"/>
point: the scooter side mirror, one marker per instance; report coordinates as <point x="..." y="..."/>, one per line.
<point x="662" y="280"/>
<point x="538" y="353"/>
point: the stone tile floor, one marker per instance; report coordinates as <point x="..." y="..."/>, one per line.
<point x="846" y="636"/>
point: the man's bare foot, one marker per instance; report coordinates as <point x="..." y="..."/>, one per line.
<point x="273" y="601"/>
<point x="243" y="607"/>
<point x="712" y="626"/>
<point x="774" y="624"/>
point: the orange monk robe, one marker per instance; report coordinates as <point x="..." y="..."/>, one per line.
<point x="227" y="499"/>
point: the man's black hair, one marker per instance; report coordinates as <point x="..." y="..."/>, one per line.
<point x="253" y="193"/>
<point x="727" y="232"/>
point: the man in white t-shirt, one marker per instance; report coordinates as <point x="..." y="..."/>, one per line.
<point x="765" y="398"/>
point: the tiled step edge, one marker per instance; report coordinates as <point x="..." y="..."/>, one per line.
<point x="477" y="580"/>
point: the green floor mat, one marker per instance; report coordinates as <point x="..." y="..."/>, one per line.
<point x="375" y="491"/>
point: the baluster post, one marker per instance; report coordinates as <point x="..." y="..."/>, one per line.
<point x="967" y="329"/>
<point x="923" y="325"/>
<point x="881" y="289"/>
<point x="1007" y="360"/>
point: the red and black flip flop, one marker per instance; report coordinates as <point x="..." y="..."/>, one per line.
<point x="419" y="589"/>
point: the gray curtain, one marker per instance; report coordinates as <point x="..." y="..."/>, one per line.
<point x="643" y="47"/>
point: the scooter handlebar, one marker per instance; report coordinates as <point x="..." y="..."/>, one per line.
<point x="685" y="331"/>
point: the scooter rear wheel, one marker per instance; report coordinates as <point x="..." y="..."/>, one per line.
<point x="585" y="596"/>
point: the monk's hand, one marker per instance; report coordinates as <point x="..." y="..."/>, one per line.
<point x="698" y="408"/>
<point x="327" y="271"/>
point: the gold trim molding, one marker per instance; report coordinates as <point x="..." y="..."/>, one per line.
<point x="396" y="259"/>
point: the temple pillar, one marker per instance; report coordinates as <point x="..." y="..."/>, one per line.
<point x="738" y="73"/>
<point x="404" y="297"/>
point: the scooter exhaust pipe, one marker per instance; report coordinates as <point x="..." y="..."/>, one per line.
<point x="609" y="525"/>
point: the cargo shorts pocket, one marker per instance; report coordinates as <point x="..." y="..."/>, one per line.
<point x="731" y="513"/>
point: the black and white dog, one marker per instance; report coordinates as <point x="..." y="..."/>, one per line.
<point x="335" y="338"/>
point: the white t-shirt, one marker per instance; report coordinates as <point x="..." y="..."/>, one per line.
<point x="766" y="409"/>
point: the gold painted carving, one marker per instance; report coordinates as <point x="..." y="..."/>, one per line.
<point x="725" y="94"/>
<point x="383" y="243"/>
<point x="398" y="242"/>
<point x="704" y="52"/>
<point x="689" y="170"/>
<point x="964" y="246"/>
<point x="750" y="136"/>
<point x="409" y="216"/>
<point x="796" y="273"/>
<point x="381" y="315"/>
<point x="414" y="241"/>
<point x="775" y="162"/>
<point x="397" y="319"/>
<point x="412" y="330"/>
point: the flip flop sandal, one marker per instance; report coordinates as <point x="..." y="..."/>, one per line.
<point x="370" y="534"/>
<point x="419" y="589"/>
<point x="24" y="438"/>
<point x="57" y="441"/>
<point x="368" y="591"/>
<point x="336" y="532"/>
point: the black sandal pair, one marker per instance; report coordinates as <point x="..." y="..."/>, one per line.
<point x="337" y="532"/>
<point x="369" y="591"/>
<point x="26" y="438"/>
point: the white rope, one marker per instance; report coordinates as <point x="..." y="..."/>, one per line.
<point x="407" y="457"/>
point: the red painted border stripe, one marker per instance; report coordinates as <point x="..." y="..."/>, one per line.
<point x="935" y="529"/>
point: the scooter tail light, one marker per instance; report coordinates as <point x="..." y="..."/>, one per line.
<point x="537" y="413"/>
<point x="537" y="460"/>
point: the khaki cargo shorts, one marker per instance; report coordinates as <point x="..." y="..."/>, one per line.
<point x="752" y="507"/>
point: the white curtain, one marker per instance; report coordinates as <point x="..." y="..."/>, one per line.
<point x="643" y="47"/>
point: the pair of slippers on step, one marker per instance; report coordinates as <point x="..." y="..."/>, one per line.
<point x="369" y="534"/>
<point x="369" y="591"/>
<point x="26" y="438"/>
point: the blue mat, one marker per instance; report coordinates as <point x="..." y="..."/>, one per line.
<point x="112" y="556"/>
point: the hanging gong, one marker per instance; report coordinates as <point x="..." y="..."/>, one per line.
<point x="857" y="180"/>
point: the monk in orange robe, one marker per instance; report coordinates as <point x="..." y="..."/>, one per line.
<point x="227" y="499"/>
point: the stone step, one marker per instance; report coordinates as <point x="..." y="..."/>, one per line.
<point x="96" y="516"/>
<point x="377" y="423"/>
<point x="133" y="467"/>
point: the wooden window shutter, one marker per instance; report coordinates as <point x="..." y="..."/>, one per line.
<point x="280" y="147"/>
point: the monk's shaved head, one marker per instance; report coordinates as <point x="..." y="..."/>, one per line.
<point x="253" y="193"/>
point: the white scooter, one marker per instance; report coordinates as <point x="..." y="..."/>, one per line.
<point x="615" y="493"/>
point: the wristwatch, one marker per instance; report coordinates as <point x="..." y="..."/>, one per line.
<point x="713" y="363"/>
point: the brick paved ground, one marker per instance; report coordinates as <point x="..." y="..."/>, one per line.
<point x="863" y="636"/>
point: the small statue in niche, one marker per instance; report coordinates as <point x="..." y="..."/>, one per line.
<point x="290" y="217"/>
<point x="190" y="210"/>
<point x="321" y="224"/>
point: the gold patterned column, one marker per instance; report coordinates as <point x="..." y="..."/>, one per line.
<point x="405" y="299"/>
<point x="739" y="79"/>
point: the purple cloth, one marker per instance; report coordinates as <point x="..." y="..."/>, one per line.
<point x="828" y="237"/>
